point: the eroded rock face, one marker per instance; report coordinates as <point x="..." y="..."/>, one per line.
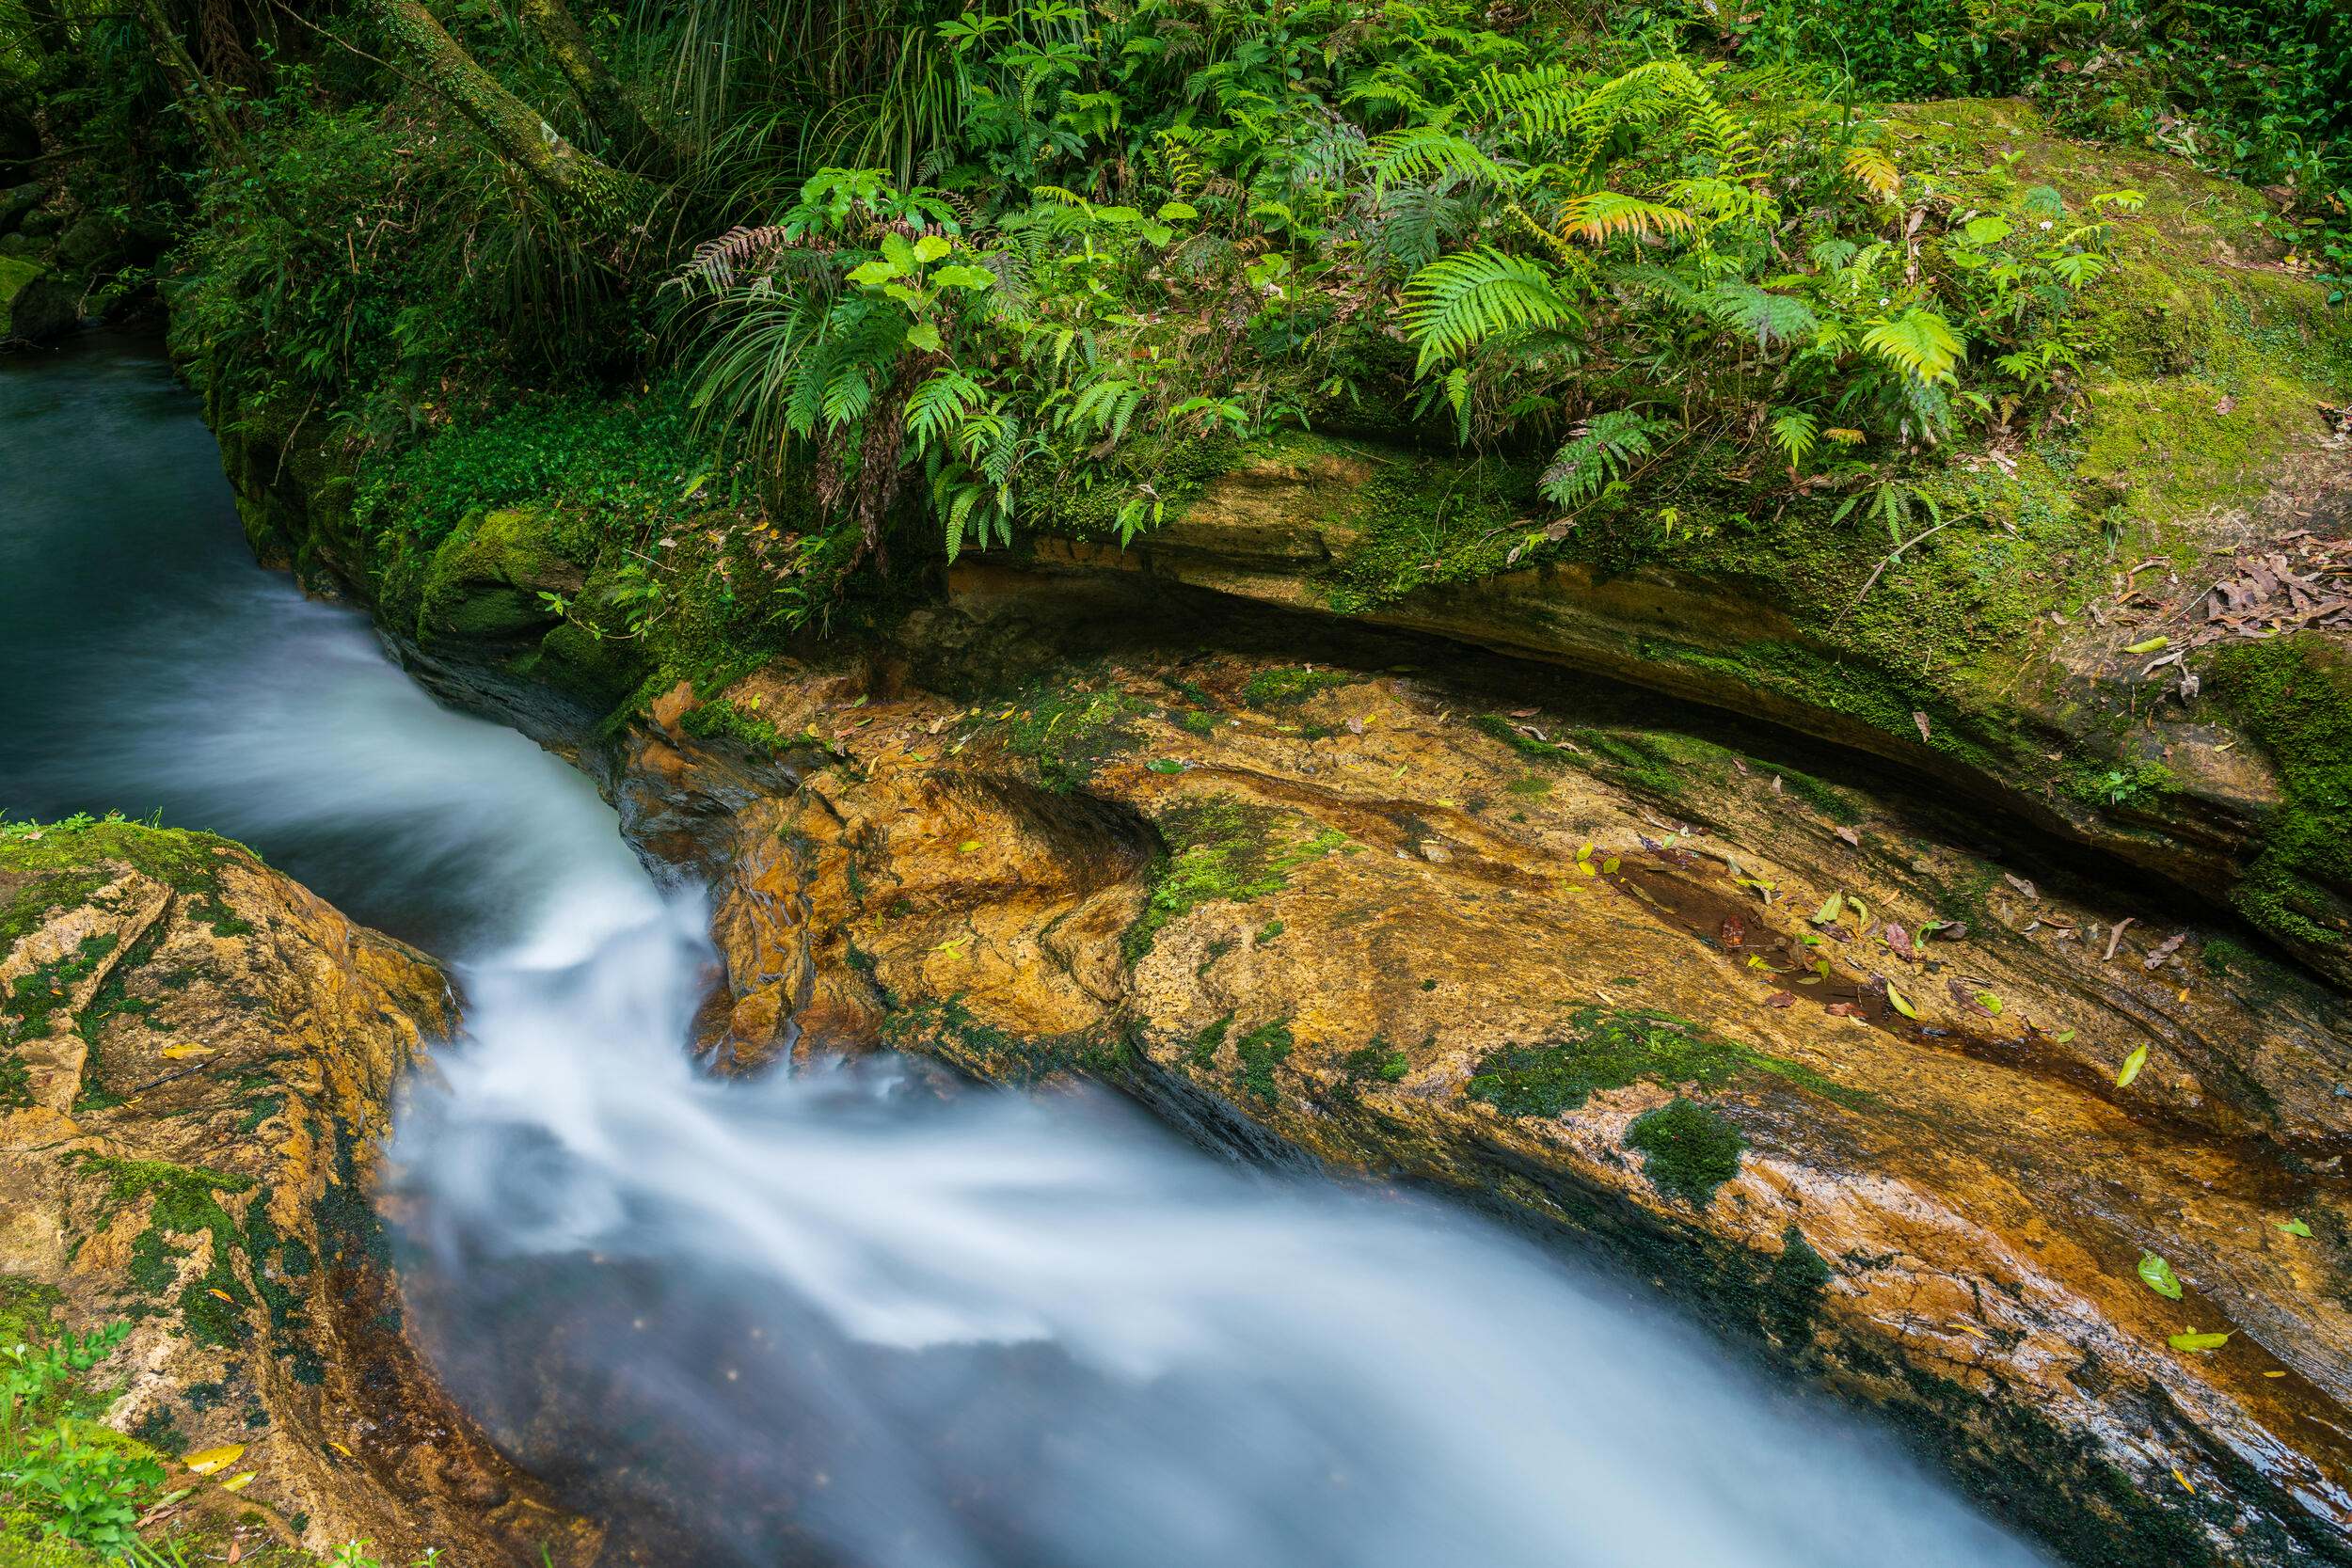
<point x="196" y="1058"/>
<point x="1627" y="984"/>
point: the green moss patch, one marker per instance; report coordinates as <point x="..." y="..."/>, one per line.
<point x="1285" y="686"/>
<point x="949" y="1029"/>
<point x="2294" y="697"/>
<point x="1609" y="1047"/>
<point x="1377" y="1059"/>
<point x="1688" y="1149"/>
<point x="1066" y="734"/>
<point x="1220" y="849"/>
<point x="1258" y="1053"/>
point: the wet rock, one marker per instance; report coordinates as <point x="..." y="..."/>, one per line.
<point x="1388" y="925"/>
<point x="35" y="306"/>
<point x="195" y="1060"/>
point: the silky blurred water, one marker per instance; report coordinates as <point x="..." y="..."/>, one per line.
<point x="859" y="1314"/>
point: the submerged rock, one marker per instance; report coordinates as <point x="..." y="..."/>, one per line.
<point x="196" y="1059"/>
<point x="1800" y="1051"/>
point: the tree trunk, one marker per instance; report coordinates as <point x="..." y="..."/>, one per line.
<point x="195" y="89"/>
<point x="608" y="103"/>
<point x="606" y="201"/>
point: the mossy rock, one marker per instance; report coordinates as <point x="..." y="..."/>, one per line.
<point x="34" y="306"/>
<point x="486" y="581"/>
<point x="16" y="203"/>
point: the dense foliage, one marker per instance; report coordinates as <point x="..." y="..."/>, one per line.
<point x="1035" y="256"/>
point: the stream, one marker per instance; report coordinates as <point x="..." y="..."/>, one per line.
<point x="855" y="1314"/>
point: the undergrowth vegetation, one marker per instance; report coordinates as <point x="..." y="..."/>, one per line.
<point x="937" y="273"/>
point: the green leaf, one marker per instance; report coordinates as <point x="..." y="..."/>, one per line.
<point x="2063" y="1036"/>
<point x="1900" y="1003"/>
<point x="1178" y="212"/>
<point x="925" y="336"/>
<point x="2150" y="646"/>
<point x="2157" y="1276"/>
<point x="960" y="277"/>
<point x="873" y="273"/>
<point x="1164" y="765"/>
<point x="1991" y="1003"/>
<point x="1832" y="907"/>
<point x="2132" y="1064"/>
<point x="2198" y="1341"/>
<point x="2295" y="1227"/>
<point x="931" y="247"/>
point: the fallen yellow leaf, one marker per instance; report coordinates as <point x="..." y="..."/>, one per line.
<point x="206" y="1462"/>
<point x="239" y="1483"/>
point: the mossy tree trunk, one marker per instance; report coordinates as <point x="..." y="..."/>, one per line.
<point x="606" y="202"/>
<point x="614" y="109"/>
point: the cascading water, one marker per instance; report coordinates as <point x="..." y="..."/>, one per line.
<point x="858" y="1314"/>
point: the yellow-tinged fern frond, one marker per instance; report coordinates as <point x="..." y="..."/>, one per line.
<point x="1874" y="170"/>
<point x="1918" y="343"/>
<point x="1572" y="261"/>
<point x="1602" y="215"/>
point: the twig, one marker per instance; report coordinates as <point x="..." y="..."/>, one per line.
<point x="1872" y="581"/>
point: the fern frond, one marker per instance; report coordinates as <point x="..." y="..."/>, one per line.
<point x="1918" y="343"/>
<point x="1600" y="452"/>
<point x="1600" y="216"/>
<point x="1767" y="317"/>
<point x="1796" y="433"/>
<point x="1422" y="152"/>
<point x="1872" y="169"/>
<point x="1463" y="299"/>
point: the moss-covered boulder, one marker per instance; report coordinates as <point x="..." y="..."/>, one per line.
<point x="35" y="306"/>
<point x="17" y="202"/>
<point x="197" y="1058"/>
<point x="495" y="579"/>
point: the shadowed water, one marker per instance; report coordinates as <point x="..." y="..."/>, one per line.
<point x="859" y="1314"/>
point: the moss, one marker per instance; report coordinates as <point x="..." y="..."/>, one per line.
<point x="1688" y="1149"/>
<point x="2294" y="696"/>
<point x="1285" y="686"/>
<point x="721" y="720"/>
<point x="1066" y="734"/>
<point x="949" y="1029"/>
<point x="1828" y="799"/>
<point x="1497" y="727"/>
<point x="28" y="1310"/>
<point x="1408" y="521"/>
<point x="1792" y="1291"/>
<point x="1258" y="1053"/>
<point x="1610" y="1048"/>
<point x="55" y="865"/>
<point x="1220" y="849"/>
<point x="484" y="581"/>
<point x="1202" y="1050"/>
<point x="1377" y="1059"/>
<point x="181" y="1203"/>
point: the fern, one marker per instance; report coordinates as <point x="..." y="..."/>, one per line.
<point x="1464" y="299"/>
<point x="1872" y="169"/>
<point x="1797" y="433"/>
<point x="1603" y="215"/>
<point x="1919" y="343"/>
<point x="1601" y="452"/>
<point x="1424" y="152"/>
<point x="1767" y="317"/>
